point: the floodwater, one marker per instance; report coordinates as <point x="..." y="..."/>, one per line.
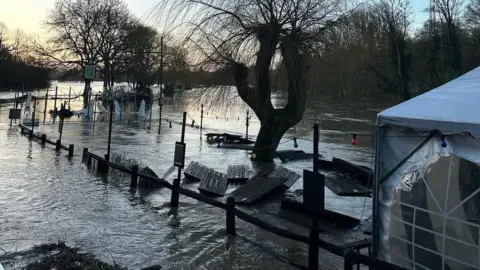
<point x="46" y="197"/>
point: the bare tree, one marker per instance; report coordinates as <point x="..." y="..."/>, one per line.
<point x="10" y="43"/>
<point x="450" y="12"/>
<point x="472" y="14"/>
<point x="235" y="34"/>
<point x="395" y="17"/>
<point x="86" y="32"/>
<point x="112" y="35"/>
<point x="142" y="56"/>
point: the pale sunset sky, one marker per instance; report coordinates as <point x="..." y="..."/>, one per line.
<point x="28" y="15"/>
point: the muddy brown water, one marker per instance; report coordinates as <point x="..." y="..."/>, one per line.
<point x="46" y="197"/>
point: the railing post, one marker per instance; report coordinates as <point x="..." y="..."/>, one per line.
<point x="57" y="145"/>
<point x="231" y="216"/>
<point x="44" y="139"/>
<point x="70" y="150"/>
<point x="134" y="176"/>
<point x="30" y="134"/>
<point x="89" y="161"/>
<point x="348" y="261"/>
<point x="247" y="124"/>
<point x="313" y="245"/>
<point x="102" y="165"/>
<point x="85" y="154"/>
<point x="175" y="196"/>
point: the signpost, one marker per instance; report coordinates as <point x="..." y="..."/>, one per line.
<point x="89" y="72"/>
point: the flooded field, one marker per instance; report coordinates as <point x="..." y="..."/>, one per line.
<point x="46" y="197"/>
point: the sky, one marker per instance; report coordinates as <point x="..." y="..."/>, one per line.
<point x="28" y="15"/>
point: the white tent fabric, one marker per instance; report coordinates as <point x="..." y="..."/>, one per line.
<point x="451" y="108"/>
<point x="419" y="186"/>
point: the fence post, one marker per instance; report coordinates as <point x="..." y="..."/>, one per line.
<point x="134" y="176"/>
<point x="30" y="134"/>
<point x="44" y="139"/>
<point x="231" y="216"/>
<point x="70" y="150"/>
<point x="175" y="196"/>
<point x="57" y="145"/>
<point x="85" y="154"/>
<point x="201" y="119"/>
<point x="313" y="245"/>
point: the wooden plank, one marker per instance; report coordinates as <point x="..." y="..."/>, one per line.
<point x="211" y="182"/>
<point x="346" y="186"/>
<point x="282" y="172"/>
<point x="255" y="189"/>
<point x="235" y="146"/>
<point x="361" y="173"/>
<point x="237" y="173"/>
<point x="295" y="206"/>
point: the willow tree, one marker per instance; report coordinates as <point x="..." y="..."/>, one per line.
<point x="259" y="33"/>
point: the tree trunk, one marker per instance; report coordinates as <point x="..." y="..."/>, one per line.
<point x="274" y="122"/>
<point x="268" y="138"/>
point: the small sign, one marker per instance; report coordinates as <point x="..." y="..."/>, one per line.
<point x="89" y="72"/>
<point x="313" y="191"/>
<point x="14" y="114"/>
<point x="179" y="159"/>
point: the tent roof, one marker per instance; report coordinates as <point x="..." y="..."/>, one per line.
<point x="451" y="108"/>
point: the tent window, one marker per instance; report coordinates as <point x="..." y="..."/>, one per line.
<point x="436" y="225"/>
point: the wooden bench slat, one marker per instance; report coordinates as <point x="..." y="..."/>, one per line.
<point x="346" y="187"/>
<point x="282" y="172"/>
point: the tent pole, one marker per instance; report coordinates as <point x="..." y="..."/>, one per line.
<point x="376" y="186"/>
<point x="392" y="171"/>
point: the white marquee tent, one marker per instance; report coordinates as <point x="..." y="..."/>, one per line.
<point x="427" y="188"/>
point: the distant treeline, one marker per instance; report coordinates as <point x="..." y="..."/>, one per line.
<point x="17" y="70"/>
<point x="17" y="74"/>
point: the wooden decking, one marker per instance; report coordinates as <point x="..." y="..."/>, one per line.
<point x="281" y="172"/>
<point x="237" y="173"/>
<point x="196" y="171"/>
<point x="330" y="218"/>
<point x="212" y="183"/>
<point x="256" y="188"/>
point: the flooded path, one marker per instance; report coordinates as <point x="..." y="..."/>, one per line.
<point x="45" y="197"/>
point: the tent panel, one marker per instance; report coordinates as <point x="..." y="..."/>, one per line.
<point x="450" y="108"/>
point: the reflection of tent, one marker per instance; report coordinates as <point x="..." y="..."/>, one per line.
<point x="427" y="188"/>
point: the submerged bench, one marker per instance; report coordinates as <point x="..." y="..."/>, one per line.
<point x="346" y="186"/>
<point x="362" y="174"/>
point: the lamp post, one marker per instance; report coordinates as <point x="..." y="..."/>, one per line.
<point x="160" y="100"/>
